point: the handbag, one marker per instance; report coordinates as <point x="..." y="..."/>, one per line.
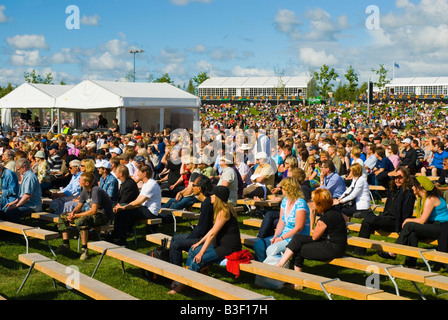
<point x="161" y="253"/>
<point x="350" y="203"/>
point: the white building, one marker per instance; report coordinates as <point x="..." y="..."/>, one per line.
<point x="253" y="88"/>
<point x="419" y="86"/>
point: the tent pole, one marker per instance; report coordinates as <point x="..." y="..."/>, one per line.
<point x="162" y="119"/>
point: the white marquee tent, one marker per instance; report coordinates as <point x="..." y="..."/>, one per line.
<point x="30" y="96"/>
<point x="155" y="105"/>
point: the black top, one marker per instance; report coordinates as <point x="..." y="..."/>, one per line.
<point x="336" y="232"/>
<point x="443" y="179"/>
<point x="205" y="221"/>
<point x="409" y="158"/>
<point x="228" y="239"/>
<point x="174" y="173"/>
<point x="128" y="191"/>
<point x="307" y="189"/>
<point x="97" y="196"/>
<point x="399" y="206"/>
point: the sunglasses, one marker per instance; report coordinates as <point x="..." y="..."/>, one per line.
<point x="398" y="177"/>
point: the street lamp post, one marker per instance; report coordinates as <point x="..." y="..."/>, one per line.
<point x="134" y="52"/>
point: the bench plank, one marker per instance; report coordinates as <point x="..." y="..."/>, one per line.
<point x="333" y="286"/>
<point x="190" y="278"/>
<point x="356" y="227"/>
<point x="46" y="216"/>
<point x="87" y="285"/>
<point x="29" y="231"/>
<point x="307" y="280"/>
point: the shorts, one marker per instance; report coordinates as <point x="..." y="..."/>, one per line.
<point x="83" y="223"/>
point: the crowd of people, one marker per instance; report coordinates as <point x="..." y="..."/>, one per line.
<point x="320" y="169"/>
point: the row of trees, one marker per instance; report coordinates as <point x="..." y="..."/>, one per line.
<point x="322" y="83"/>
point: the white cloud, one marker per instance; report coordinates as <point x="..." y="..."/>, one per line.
<point x="27" y="41"/>
<point x="322" y="25"/>
<point x="239" y="71"/>
<point x="26" y="58"/>
<point x="65" y="56"/>
<point x="286" y="21"/>
<point x="3" y="17"/>
<point x="171" y="56"/>
<point x="90" y="20"/>
<point x="223" y="54"/>
<point x="313" y="58"/>
<point x="199" y="48"/>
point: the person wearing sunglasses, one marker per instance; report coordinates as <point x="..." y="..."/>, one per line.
<point x="432" y="215"/>
<point x="399" y="206"/>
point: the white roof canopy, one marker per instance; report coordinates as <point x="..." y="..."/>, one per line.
<point x="91" y="94"/>
<point x="30" y="96"/>
<point x="419" y="81"/>
<point x="255" y="82"/>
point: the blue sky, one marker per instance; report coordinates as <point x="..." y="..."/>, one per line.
<point x="221" y="37"/>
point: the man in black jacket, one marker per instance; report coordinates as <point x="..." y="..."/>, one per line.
<point x="127" y="192"/>
<point x="409" y="156"/>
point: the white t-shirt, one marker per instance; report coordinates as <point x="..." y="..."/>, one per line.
<point x="151" y="190"/>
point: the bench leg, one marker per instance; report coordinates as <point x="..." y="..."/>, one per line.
<point x="427" y="264"/>
<point x="54" y="254"/>
<point x="29" y="272"/>
<point x="101" y="259"/>
<point x="26" y="238"/>
<point x="397" y="292"/>
<point x="325" y="290"/>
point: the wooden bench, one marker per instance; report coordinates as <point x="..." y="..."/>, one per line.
<point x="85" y="284"/>
<point x="376" y="188"/>
<point x="197" y="205"/>
<point x="431" y="279"/>
<point x="29" y="231"/>
<point x="45" y="216"/>
<point x="327" y="285"/>
<point x="46" y="201"/>
<point x="356" y="227"/>
<point x="168" y="270"/>
<point x="146" y="222"/>
<point x="414" y="252"/>
<point x="306" y="280"/>
<point x="253" y="222"/>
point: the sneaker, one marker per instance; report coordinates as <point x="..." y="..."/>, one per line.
<point x="84" y="254"/>
<point x="63" y="248"/>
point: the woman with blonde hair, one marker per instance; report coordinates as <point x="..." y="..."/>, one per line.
<point x="222" y="240"/>
<point x="294" y="218"/>
<point x="357" y="197"/>
<point x="329" y="239"/>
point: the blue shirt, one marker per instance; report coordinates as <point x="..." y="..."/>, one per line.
<point x="290" y="218"/>
<point x="110" y="185"/>
<point x="437" y="161"/>
<point x="73" y="188"/>
<point x="10" y="187"/>
<point x="439" y="213"/>
<point x="30" y="185"/>
<point x="335" y="184"/>
<point x="385" y="164"/>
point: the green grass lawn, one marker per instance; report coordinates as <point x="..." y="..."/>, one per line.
<point x="40" y="286"/>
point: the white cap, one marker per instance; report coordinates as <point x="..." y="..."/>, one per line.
<point x="103" y="164"/>
<point x="91" y="145"/>
<point x="115" y="150"/>
<point x="261" y="155"/>
<point x="407" y="140"/>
